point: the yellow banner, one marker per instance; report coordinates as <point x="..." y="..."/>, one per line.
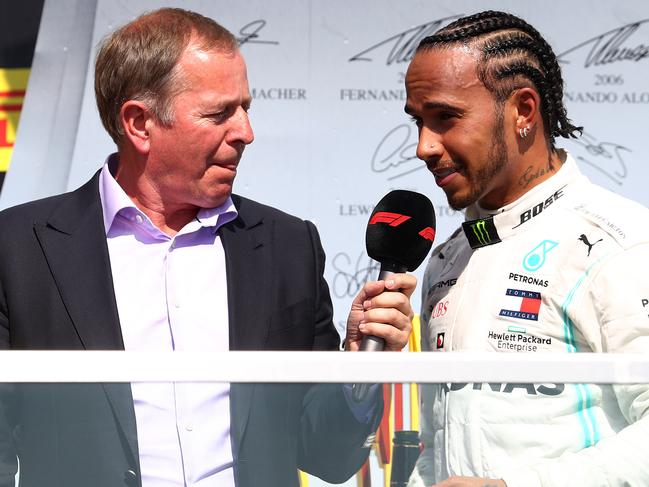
<point x="13" y="83"/>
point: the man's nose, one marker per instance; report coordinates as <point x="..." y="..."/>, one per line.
<point x="429" y="146"/>
<point x="241" y="128"/>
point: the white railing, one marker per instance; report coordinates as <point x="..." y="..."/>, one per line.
<point x="101" y="366"/>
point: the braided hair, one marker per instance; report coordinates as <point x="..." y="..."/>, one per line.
<point x="513" y="56"/>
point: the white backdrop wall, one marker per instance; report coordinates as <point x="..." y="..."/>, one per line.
<point x="327" y="82"/>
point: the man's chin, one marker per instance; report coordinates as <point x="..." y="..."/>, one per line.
<point x="459" y="202"/>
<point x="216" y="196"/>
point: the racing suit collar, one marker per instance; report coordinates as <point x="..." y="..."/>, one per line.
<point x="488" y="227"/>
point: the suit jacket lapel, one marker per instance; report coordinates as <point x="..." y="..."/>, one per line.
<point x="247" y="256"/>
<point x="74" y="243"/>
<point x="247" y="260"/>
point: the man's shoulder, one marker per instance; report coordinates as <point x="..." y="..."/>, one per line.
<point x="71" y="206"/>
<point x="32" y="211"/>
<point x="622" y="218"/>
<point x="251" y="211"/>
<point x="42" y="209"/>
<point x="456" y="238"/>
<point x="446" y="251"/>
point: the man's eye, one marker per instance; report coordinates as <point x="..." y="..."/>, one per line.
<point x="447" y="115"/>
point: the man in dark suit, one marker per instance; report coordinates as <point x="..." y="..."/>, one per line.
<point x="155" y="253"/>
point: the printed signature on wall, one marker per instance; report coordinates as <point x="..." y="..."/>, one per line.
<point x="605" y="157"/>
<point x="614" y="46"/>
<point x="351" y="274"/>
<point x="401" y="47"/>
<point x="395" y="154"/>
<point x="250" y="33"/>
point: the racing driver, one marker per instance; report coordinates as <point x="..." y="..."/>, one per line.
<point x="545" y="262"/>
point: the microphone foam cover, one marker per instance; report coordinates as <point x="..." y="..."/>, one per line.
<point x="401" y="229"/>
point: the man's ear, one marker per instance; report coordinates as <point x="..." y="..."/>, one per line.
<point x="135" y="118"/>
<point x="527" y="106"/>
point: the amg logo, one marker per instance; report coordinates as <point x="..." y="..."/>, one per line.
<point x="528" y="280"/>
<point x="447" y="283"/>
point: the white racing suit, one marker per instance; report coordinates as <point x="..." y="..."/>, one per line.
<point x="564" y="269"/>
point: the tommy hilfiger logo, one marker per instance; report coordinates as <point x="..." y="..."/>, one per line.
<point x="521" y="304"/>
<point x="481" y="233"/>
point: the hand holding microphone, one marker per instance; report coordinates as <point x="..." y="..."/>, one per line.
<point x="382" y="311"/>
<point x="399" y="235"/>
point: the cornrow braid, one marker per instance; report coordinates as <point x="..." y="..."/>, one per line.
<point x="513" y="55"/>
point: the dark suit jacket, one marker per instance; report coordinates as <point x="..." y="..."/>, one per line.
<point x="56" y="292"/>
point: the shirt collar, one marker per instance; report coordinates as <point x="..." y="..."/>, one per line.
<point x="114" y="200"/>
<point x="215" y="217"/>
<point x="487" y="227"/>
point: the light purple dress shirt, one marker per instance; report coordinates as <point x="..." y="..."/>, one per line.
<point x="171" y="294"/>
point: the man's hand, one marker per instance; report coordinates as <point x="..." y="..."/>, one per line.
<point x="471" y="482"/>
<point x="382" y="309"/>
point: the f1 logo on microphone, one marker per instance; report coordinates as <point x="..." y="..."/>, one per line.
<point x="393" y="219"/>
<point x="428" y="233"/>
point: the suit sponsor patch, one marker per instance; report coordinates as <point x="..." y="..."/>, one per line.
<point x="529" y="389"/>
<point x="528" y="279"/>
<point x="521" y="304"/>
<point x="517" y="339"/>
<point x="535" y="258"/>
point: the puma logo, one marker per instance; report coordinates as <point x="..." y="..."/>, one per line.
<point x="584" y="239"/>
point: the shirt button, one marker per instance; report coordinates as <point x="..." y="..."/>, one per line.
<point x="189" y="427"/>
<point x="139" y="219"/>
<point x="130" y="476"/>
